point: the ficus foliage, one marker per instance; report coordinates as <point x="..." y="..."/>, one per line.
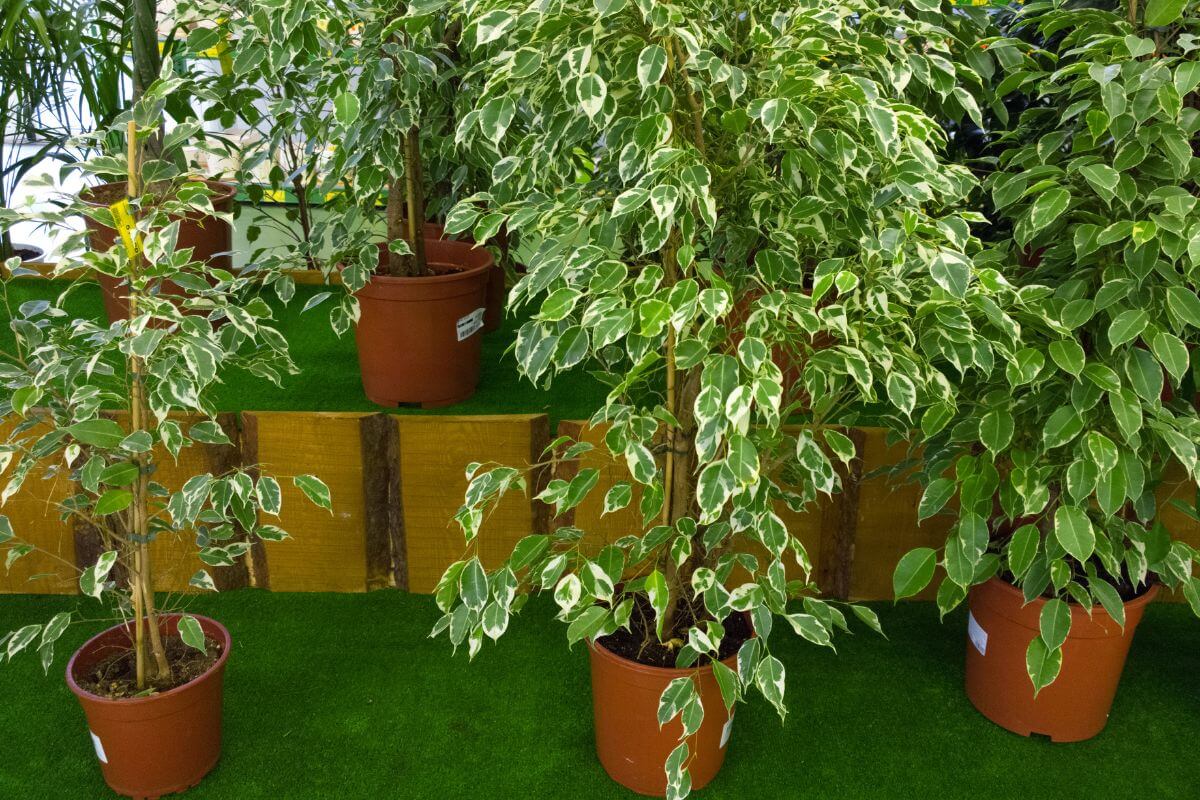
<point x="1057" y="459"/>
<point x="740" y="220"/>
<point x="279" y="66"/>
<point x="99" y="406"/>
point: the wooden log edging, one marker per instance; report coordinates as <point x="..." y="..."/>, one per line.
<point x="541" y="472"/>
<point x="387" y="548"/>
<point x="222" y="459"/>
<point x="839" y="525"/>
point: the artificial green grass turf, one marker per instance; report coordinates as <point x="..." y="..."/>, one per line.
<point x="329" y="377"/>
<point x="344" y="696"/>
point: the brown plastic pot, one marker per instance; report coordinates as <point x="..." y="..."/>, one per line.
<point x="632" y="748"/>
<point x="1073" y="708"/>
<point x="210" y="238"/>
<point x="163" y="743"/>
<point x="497" y="290"/>
<point x="419" y="338"/>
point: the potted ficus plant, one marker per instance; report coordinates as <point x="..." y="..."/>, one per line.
<point x="274" y="94"/>
<point x="209" y="235"/>
<point x="101" y="407"/>
<point x="420" y="298"/>
<point x="699" y="189"/>
<point x="1056" y="458"/>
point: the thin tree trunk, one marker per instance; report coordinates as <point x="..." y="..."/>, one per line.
<point x="147" y="61"/>
<point x="397" y="229"/>
<point x="143" y="590"/>
<point x="413" y="181"/>
<point x="681" y="462"/>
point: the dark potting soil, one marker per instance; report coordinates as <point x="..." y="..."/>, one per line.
<point x="640" y="642"/>
<point x="442" y="269"/>
<point x="1124" y="586"/>
<point x="27" y="252"/>
<point x="115" y="677"/>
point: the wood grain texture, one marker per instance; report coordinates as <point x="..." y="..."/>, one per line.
<point x="34" y="513"/>
<point x="386" y="550"/>
<point x="887" y="523"/>
<point x="599" y="528"/>
<point x="327" y="553"/>
<point x="434" y="453"/>
<point x="539" y="440"/>
<point x="839" y="525"/>
<point x="223" y="459"/>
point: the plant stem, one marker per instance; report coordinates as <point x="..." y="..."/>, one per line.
<point x="416" y="202"/>
<point x="138" y="414"/>
<point x="147" y="61"/>
<point x="680" y="463"/>
<point x="6" y="248"/>
<point x="397" y="228"/>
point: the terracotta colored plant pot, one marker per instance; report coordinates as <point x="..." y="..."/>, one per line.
<point x="211" y="239"/>
<point x="419" y="338"/>
<point x="497" y="290"/>
<point x="1076" y="705"/>
<point x="497" y="294"/>
<point x="632" y="748"/>
<point x="163" y="743"/>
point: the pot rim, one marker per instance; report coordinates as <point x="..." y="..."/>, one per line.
<point x="224" y="191"/>
<point x="1141" y="600"/>
<point x="126" y="702"/>
<point x="450" y="277"/>
<point x="39" y="251"/>
<point x="648" y="669"/>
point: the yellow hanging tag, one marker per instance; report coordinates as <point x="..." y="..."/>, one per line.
<point x="123" y="218"/>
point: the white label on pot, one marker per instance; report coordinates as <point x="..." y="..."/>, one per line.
<point x="725" y="731"/>
<point x="977" y="633"/>
<point x="99" y="748"/>
<point x="470" y="324"/>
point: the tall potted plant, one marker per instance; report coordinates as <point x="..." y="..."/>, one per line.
<point x="100" y="407"/>
<point x="706" y="189"/>
<point x="420" y="299"/>
<point x="1057" y="458"/>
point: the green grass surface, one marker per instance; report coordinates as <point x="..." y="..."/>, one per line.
<point x="329" y="378"/>
<point x="344" y="696"/>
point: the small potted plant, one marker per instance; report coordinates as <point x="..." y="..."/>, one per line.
<point x="705" y="190"/>
<point x="101" y="407"/>
<point x="1056" y="456"/>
